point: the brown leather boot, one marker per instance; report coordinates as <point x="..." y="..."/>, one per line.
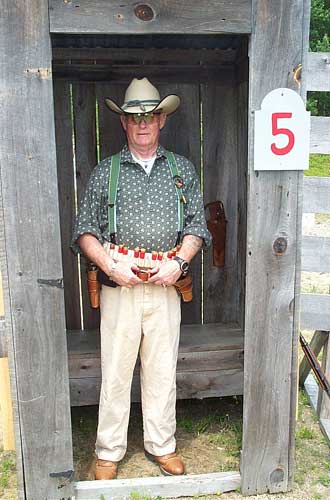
<point x="105" y="469"/>
<point x="170" y="464"/>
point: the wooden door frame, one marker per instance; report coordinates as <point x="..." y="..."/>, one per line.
<point x="29" y="143"/>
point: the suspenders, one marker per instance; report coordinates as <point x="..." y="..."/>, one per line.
<point x="113" y="187"/>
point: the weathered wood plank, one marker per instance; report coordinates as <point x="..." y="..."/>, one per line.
<point x="312" y="390"/>
<point x="316" y="254"/>
<point x="318" y="71"/>
<point x="66" y="182"/>
<point x="220" y="183"/>
<point x="318" y="340"/>
<point x="84" y="110"/>
<point x="199" y="385"/>
<point x="271" y="280"/>
<point x="316" y="195"/>
<point x="123" y="74"/>
<point x="315" y="311"/>
<point x="31" y="221"/>
<point x="320" y="135"/>
<point x="193" y="338"/>
<point x="127" y="56"/>
<point x="323" y="400"/>
<point x="180" y="17"/>
<point x="89" y="365"/>
<point x="165" y="487"/>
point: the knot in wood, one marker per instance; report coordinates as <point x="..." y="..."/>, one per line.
<point x="280" y="245"/>
<point x="277" y="475"/>
<point x="144" y="12"/>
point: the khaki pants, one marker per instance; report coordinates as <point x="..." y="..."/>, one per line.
<point x="145" y="319"/>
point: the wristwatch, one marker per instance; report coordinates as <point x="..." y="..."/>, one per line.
<point x="184" y="265"/>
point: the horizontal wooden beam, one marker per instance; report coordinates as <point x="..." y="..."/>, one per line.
<point x="198" y="385"/>
<point x="315" y="311"/>
<point x="124" y="74"/>
<point x="159" y="16"/>
<point x="320" y="134"/>
<point x="316" y="254"/>
<point x="318" y="71"/>
<point x="316" y="195"/>
<point x="101" y="55"/>
<point x="166" y="487"/>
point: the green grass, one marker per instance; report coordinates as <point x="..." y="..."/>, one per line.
<point x="319" y="165"/>
<point x="7" y="469"/>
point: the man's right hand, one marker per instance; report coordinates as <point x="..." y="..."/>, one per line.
<point x="123" y="275"/>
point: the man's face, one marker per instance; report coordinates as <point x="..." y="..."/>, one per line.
<point x="145" y="134"/>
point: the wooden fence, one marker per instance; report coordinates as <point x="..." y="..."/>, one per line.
<point x="315" y="308"/>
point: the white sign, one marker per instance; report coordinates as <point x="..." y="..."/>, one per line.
<point x="281" y="134"/>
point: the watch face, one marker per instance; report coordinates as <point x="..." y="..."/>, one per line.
<point x="184" y="266"/>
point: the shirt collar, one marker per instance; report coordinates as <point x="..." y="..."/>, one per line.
<point x="126" y="155"/>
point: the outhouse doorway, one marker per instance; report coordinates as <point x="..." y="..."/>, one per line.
<point x="210" y="73"/>
<point x="258" y="292"/>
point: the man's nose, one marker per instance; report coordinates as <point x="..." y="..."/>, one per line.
<point x="142" y="124"/>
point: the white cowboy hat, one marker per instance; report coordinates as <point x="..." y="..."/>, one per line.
<point x="142" y="97"/>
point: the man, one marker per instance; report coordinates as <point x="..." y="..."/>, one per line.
<point x="141" y="317"/>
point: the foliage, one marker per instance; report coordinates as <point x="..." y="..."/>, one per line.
<point x="318" y="103"/>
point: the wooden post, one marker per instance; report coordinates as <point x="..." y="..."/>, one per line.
<point x="277" y="46"/>
<point x="35" y="310"/>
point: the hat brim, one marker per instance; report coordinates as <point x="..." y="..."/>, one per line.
<point x="167" y="105"/>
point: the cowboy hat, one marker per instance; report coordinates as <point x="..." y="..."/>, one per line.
<point x="142" y="97"/>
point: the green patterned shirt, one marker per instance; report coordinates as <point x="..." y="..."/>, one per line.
<point x="146" y="206"/>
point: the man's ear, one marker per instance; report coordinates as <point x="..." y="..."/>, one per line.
<point x="123" y="121"/>
<point x="162" y="120"/>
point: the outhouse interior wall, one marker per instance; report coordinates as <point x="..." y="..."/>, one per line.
<point x="210" y="73"/>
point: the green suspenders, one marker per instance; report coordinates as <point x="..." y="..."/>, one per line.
<point x="113" y="187"/>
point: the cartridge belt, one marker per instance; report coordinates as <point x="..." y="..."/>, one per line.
<point x="139" y="256"/>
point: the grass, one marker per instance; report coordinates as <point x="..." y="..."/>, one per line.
<point x="8" y="484"/>
<point x="319" y="165"/>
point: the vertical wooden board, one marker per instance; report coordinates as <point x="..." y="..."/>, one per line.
<point x="65" y="175"/>
<point x="84" y="109"/>
<point x="274" y="200"/>
<point x="111" y="135"/>
<point x="242" y="147"/>
<point x="181" y="134"/>
<point x="32" y="229"/>
<point x="220" y="183"/>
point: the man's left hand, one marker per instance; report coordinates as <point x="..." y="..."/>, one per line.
<point x="166" y="273"/>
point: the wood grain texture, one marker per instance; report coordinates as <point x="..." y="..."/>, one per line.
<point x="220" y="183"/>
<point x="323" y="400"/>
<point x="31" y="221"/>
<point x="316" y="254"/>
<point x="165" y="487"/>
<point x="312" y="390"/>
<point x="318" y="340"/>
<point x="168" y="17"/>
<point x="320" y="134"/>
<point x="199" y="385"/>
<point x="315" y="311"/>
<point x="242" y="152"/>
<point x="271" y="280"/>
<point x="66" y="181"/>
<point x="84" y="111"/>
<point x="316" y="195"/>
<point x="318" y="71"/>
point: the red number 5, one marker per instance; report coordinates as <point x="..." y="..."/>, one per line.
<point x="285" y="131"/>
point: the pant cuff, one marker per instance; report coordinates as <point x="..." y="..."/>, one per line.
<point x="158" y="452"/>
<point x="114" y="456"/>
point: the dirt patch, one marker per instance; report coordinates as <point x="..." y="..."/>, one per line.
<point x="208" y="438"/>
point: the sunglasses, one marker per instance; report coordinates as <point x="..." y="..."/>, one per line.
<point x="139" y="117"/>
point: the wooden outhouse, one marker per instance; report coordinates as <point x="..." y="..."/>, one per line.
<point x="60" y="59"/>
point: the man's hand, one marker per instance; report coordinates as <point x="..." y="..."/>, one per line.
<point x="166" y="273"/>
<point x="123" y="275"/>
